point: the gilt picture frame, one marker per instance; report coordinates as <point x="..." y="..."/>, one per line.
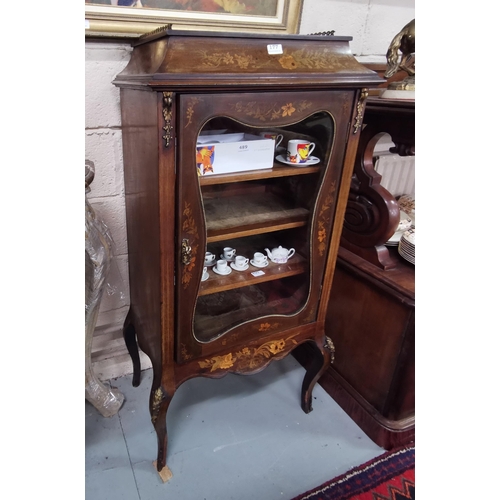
<point x="132" y="18"/>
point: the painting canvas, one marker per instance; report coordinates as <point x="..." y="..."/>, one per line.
<point x="135" y="17"/>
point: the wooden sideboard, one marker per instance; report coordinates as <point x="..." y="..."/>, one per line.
<point x="371" y="310"/>
<point x="177" y="86"/>
<point x="371" y="320"/>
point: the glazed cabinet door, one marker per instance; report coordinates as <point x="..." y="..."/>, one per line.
<point x="252" y="211"/>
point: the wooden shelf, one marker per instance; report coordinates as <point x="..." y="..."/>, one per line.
<point x="234" y="217"/>
<point x="278" y="170"/>
<point x="237" y="279"/>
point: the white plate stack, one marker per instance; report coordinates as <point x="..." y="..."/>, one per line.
<point x="407" y="204"/>
<point x="404" y="225"/>
<point x="406" y="247"/>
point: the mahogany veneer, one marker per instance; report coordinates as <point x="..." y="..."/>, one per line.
<point x="177" y="85"/>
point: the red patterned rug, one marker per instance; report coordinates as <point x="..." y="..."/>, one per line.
<point x="390" y="476"/>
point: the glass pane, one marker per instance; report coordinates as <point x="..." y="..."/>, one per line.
<point x="267" y="211"/>
<point x="217" y="313"/>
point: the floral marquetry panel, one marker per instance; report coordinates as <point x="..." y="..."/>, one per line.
<point x="184" y="59"/>
<point x="249" y="358"/>
<point x="250" y="56"/>
<point x="270" y="112"/>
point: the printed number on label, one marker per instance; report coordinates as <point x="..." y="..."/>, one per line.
<point x="274" y="48"/>
<point x="258" y="273"/>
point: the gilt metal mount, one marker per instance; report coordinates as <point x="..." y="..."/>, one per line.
<point x="329" y="345"/>
<point x="167" y="116"/>
<point x="186" y="252"/>
<point x="359" y="111"/>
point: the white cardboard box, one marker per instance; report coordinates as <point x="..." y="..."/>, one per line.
<point x="250" y="152"/>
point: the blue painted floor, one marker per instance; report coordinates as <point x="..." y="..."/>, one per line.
<point x="235" y="438"/>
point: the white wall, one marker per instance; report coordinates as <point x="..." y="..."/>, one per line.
<point x="103" y="146"/>
<point x="371" y="23"/>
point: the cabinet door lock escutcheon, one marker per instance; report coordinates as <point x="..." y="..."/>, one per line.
<point x="186" y="252"/>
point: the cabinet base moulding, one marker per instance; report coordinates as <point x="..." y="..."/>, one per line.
<point x="386" y="433"/>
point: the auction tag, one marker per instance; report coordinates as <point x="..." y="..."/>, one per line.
<point x="258" y="273"/>
<point x="274" y="48"/>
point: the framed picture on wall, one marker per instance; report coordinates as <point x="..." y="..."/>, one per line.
<point x="132" y="18"/>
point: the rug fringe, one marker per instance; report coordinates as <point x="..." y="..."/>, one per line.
<point x="360" y="469"/>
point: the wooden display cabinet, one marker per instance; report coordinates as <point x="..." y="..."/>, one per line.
<point x="176" y="86"/>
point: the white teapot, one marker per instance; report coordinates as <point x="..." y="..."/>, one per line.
<point x="280" y="255"/>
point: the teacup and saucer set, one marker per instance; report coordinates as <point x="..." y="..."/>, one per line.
<point x="240" y="263"/>
<point x="229" y="254"/>
<point x="259" y="260"/>
<point x="222" y="268"/>
<point x="210" y="259"/>
<point x="298" y="153"/>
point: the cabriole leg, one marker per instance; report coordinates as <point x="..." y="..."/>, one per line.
<point x="160" y="401"/>
<point x="133" y="349"/>
<point x="323" y="355"/>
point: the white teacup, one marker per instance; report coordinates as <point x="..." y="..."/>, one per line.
<point x="222" y="266"/>
<point x="229" y="253"/>
<point x="299" y="150"/>
<point x="209" y="257"/>
<point x="273" y="135"/>
<point x="259" y="258"/>
<point x="240" y="261"/>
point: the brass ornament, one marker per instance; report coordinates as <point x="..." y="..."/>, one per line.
<point x="404" y="41"/>
<point x="186" y="252"/>
<point x="358" y="121"/>
<point x="158" y="398"/>
<point x="329" y="345"/>
<point x="167" y="117"/>
<point x="156" y="31"/>
<point x="323" y="33"/>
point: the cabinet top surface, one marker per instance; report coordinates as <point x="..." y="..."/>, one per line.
<point x="200" y="60"/>
<point x="165" y="33"/>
